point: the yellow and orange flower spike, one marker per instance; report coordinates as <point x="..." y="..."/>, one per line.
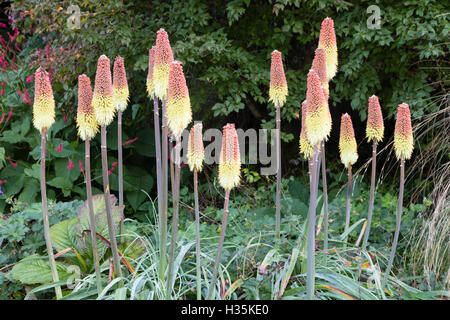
<point x="278" y="90"/>
<point x="178" y="112"/>
<point x="87" y="124"/>
<point x="195" y="152"/>
<point x="151" y="64"/>
<point x="318" y="119"/>
<point x="163" y="60"/>
<point x="120" y="85"/>
<point x="375" y="125"/>
<point x="347" y="142"/>
<point x="319" y="65"/>
<point x="403" y="137"/>
<point x="230" y="159"/>
<point x="327" y="41"/>
<point x="103" y="98"/>
<point x="44" y="103"/>
<point x="305" y="147"/>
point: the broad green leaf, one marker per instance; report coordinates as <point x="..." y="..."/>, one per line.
<point x="29" y="191"/>
<point x="62" y="183"/>
<point x="2" y="157"/>
<point x="34" y="172"/>
<point x="36" y="269"/>
<point x="63" y="235"/>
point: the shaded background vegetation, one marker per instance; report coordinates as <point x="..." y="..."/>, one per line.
<point x="225" y="49"/>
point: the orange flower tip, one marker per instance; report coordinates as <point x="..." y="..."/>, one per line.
<point x="163" y="59"/>
<point x="375" y="125"/>
<point x="178" y="113"/>
<point x="403" y="137"/>
<point x="347" y="142"/>
<point x="195" y="153"/>
<point x="327" y="41"/>
<point x="87" y="125"/>
<point x="319" y="65"/>
<point x="230" y="161"/>
<point x="103" y="98"/>
<point x="151" y="62"/>
<point x="318" y="118"/>
<point x="120" y="84"/>
<point x="278" y="90"/>
<point x="44" y="103"/>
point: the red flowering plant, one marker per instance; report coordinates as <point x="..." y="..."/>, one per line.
<point x="18" y="141"/>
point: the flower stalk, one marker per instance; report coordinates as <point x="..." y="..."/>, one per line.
<point x="175" y="217"/>
<point x="349" y="155"/>
<point x="104" y="109"/>
<point x="87" y="128"/>
<point x="374" y="132"/>
<point x="325" y="198"/>
<point x="311" y="239"/>
<point x="121" y="97"/>
<point x="319" y="65"/>
<point x="318" y="127"/>
<point x="43" y="118"/>
<point x="178" y="115"/>
<point x="163" y="58"/>
<point x="195" y="157"/>
<point x="48" y="240"/>
<point x="229" y="176"/>
<point x="277" y="94"/>
<point x="403" y="145"/>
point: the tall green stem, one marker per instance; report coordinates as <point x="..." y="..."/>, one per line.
<point x="197" y="233"/>
<point x="372" y="193"/>
<point x="348" y="203"/>
<point x="159" y="182"/>
<point x="219" y="249"/>
<point x="48" y="240"/>
<point x="172" y="173"/>
<point x="163" y="243"/>
<point x="399" y="221"/>
<point x="176" y="202"/>
<point x="278" y="195"/>
<point x="312" y="226"/>
<point x="120" y="166"/>
<point x="111" y="228"/>
<point x="87" y="172"/>
<point x="325" y="198"/>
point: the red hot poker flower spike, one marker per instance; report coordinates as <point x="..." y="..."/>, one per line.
<point x="403" y="137"/>
<point x="375" y="125"/>
<point x="278" y="85"/>
<point x="327" y="41"/>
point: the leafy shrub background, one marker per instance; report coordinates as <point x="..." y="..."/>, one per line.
<point x="225" y="48"/>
